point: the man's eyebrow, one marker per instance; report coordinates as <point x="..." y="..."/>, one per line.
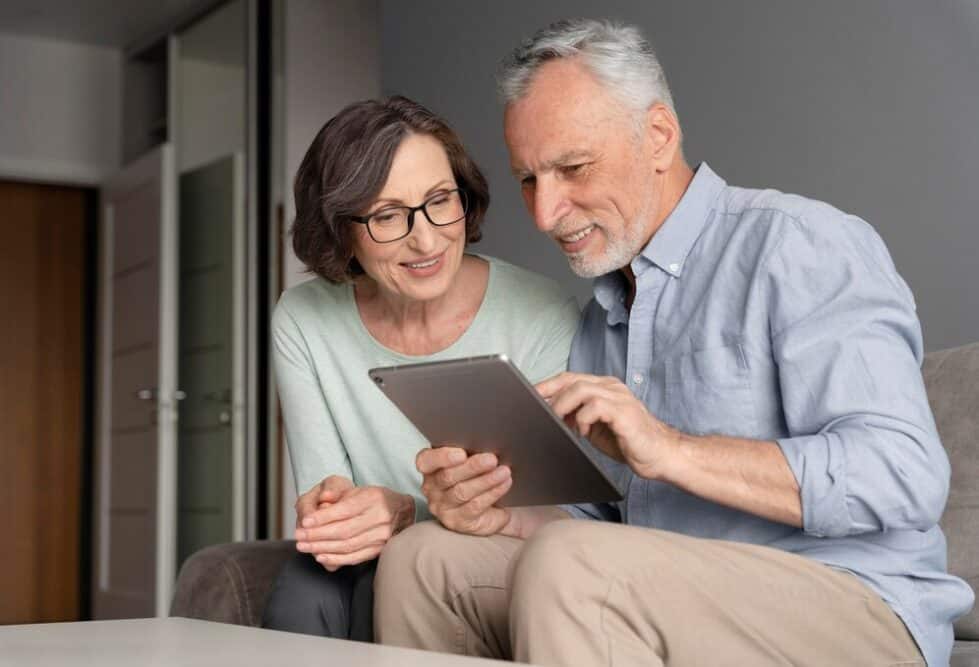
<point x="561" y="160"/>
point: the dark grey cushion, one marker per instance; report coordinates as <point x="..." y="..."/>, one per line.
<point x="230" y="583"/>
<point x="965" y="654"/>
<point x="952" y="380"/>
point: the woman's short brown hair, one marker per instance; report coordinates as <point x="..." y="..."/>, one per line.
<point x="347" y="165"/>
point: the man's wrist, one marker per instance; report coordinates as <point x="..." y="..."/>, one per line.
<point x="406" y="513"/>
<point x="674" y="447"/>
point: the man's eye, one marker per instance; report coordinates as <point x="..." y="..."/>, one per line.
<point x="528" y="181"/>
<point x="571" y="169"/>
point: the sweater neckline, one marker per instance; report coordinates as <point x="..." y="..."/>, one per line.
<point x="488" y="295"/>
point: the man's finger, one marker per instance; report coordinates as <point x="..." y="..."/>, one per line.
<point x="558" y="384"/>
<point x="429" y="460"/>
<point x="597" y="410"/>
<point x="552" y="385"/>
<point x="582" y="393"/>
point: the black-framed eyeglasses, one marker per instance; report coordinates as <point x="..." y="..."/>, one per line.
<point x="395" y="222"/>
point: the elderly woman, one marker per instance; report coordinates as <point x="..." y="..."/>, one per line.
<point x="387" y="200"/>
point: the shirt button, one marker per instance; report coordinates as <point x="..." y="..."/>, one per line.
<point x="674" y="267"/>
<point x="637" y="378"/>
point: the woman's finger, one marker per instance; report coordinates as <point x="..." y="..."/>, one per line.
<point x="432" y="459"/>
<point x="483" y="503"/>
<point x="463" y="492"/>
<point x="350" y="504"/>
<point x="333" y="562"/>
<point x="378" y="534"/>
<point x="474" y="466"/>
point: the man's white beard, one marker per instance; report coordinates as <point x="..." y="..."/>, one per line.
<point x="618" y="252"/>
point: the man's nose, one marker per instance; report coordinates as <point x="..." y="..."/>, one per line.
<point x="550" y="204"/>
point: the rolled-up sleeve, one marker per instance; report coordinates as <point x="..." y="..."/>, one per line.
<point x="847" y="342"/>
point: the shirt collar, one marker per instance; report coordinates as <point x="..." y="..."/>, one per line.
<point x="670" y="245"/>
<point x="672" y="242"/>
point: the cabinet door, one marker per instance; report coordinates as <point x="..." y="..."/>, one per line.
<point x="211" y="437"/>
<point x="135" y="506"/>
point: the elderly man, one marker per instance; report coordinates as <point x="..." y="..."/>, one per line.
<point x="750" y="368"/>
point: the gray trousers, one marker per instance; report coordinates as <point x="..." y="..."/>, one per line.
<point x="310" y="600"/>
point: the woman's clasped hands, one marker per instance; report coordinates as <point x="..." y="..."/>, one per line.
<point x="342" y="524"/>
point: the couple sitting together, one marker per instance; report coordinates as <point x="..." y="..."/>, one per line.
<point x="749" y="368"/>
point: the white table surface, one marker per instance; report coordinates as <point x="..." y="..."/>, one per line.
<point x="181" y="641"/>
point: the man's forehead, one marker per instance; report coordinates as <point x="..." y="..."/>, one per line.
<point x="541" y="137"/>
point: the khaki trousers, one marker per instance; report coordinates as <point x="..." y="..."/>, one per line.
<point x="591" y="593"/>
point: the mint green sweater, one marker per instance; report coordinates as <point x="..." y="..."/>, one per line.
<point x="338" y="423"/>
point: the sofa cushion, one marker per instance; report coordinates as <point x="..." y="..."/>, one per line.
<point x="952" y="380"/>
<point x="230" y="583"/>
<point x="965" y="654"/>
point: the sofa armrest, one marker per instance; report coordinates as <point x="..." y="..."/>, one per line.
<point x="230" y="583"/>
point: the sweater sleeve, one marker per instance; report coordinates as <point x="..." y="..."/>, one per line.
<point x="557" y="328"/>
<point x="314" y="443"/>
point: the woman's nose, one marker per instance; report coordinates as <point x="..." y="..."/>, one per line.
<point x="423" y="234"/>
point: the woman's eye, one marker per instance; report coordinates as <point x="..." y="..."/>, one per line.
<point x="438" y="201"/>
<point x="384" y="217"/>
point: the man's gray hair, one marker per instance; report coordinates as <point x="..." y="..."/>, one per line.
<point x="615" y="54"/>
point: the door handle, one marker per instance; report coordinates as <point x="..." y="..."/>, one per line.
<point x="220" y="396"/>
<point x="151" y="394"/>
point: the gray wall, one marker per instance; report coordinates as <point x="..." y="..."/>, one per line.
<point x="60" y="109"/>
<point x="329" y="59"/>
<point x="872" y="106"/>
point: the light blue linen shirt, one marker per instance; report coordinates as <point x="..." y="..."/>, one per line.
<point x="765" y="315"/>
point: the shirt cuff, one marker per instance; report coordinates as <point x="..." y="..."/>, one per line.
<point x="819" y="465"/>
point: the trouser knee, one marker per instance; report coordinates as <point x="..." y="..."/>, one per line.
<point x="308" y="599"/>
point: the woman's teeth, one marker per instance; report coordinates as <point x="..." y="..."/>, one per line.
<point x="574" y="238"/>
<point x="423" y="265"/>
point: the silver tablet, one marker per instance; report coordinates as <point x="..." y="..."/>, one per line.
<point x="484" y="404"/>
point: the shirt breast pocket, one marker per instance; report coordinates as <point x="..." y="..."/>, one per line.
<point x="709" y="392"/>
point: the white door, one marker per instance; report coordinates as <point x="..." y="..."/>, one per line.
<point x="135" y="502"/>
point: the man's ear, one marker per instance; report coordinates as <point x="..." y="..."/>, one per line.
<point x="665" y="136"/>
